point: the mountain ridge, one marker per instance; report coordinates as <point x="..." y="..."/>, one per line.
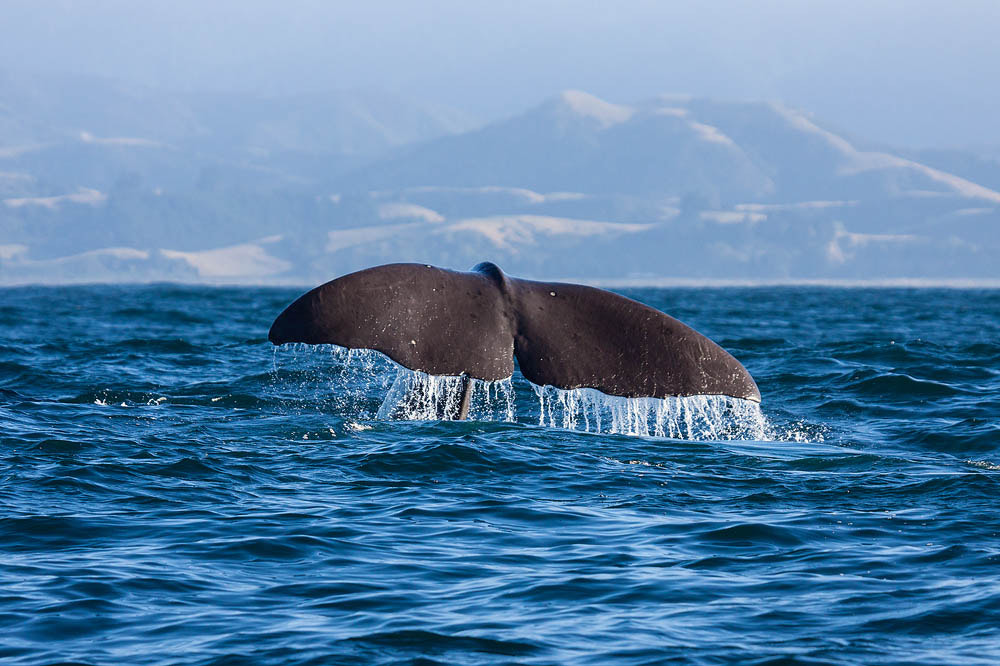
<point x="669" y="187"/>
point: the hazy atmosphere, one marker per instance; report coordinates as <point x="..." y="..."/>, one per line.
<point x="457" y="333"/>
<point x="265" y="142"/>
<point x="919" y="74"/>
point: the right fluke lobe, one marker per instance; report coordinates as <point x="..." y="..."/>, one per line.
<point x="570" y="336"/>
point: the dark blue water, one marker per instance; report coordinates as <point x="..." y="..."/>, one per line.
<point x="172" y="491"/>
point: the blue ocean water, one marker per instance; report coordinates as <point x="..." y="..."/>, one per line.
<point x="175" y="491"/>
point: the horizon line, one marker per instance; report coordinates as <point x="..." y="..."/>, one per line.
<point x="605" y="282"/>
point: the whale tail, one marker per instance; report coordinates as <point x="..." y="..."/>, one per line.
<point x="475" y="323"/>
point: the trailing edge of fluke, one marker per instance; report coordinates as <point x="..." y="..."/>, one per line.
<point x="445" y="322"/>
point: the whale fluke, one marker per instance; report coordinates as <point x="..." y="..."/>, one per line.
<point x="445" y="322"/>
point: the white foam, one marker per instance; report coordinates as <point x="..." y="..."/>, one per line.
<point x="417" y="396"/>
<point x="699" y="417"/>
<point x="356" y="381"/>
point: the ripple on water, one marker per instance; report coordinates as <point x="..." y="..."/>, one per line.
<point x="175" y="491"/>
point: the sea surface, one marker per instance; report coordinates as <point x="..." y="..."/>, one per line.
<point x="174" y="490"/>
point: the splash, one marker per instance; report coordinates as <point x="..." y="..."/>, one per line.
<point x="418" y="396"/>
<point x="351" y="382"/>
<point x="699" y="417"/>
<point x="365" y="384"/>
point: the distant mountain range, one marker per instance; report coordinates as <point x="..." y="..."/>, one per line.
<point x="105" y="182"/>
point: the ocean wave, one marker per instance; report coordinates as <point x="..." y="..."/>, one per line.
<point x="174" y="491"/>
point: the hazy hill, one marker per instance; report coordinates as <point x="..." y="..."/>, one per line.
<point x="100" y="181"/>
<point x="671" y="146"/>
<point x="67" y="132"/>
<point x="577" y="142"/>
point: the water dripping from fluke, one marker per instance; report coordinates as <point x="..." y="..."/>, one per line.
<point x="697" y="417"/>
<point x="365" y="384"/>
<point x="417" y="396"/>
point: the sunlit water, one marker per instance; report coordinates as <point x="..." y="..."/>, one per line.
<point x="173" y="490"/>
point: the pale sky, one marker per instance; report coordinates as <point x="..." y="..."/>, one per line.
<point x="911" y="73"/>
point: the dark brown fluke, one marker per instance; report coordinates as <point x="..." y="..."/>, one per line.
<point x="566" y="335"/>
